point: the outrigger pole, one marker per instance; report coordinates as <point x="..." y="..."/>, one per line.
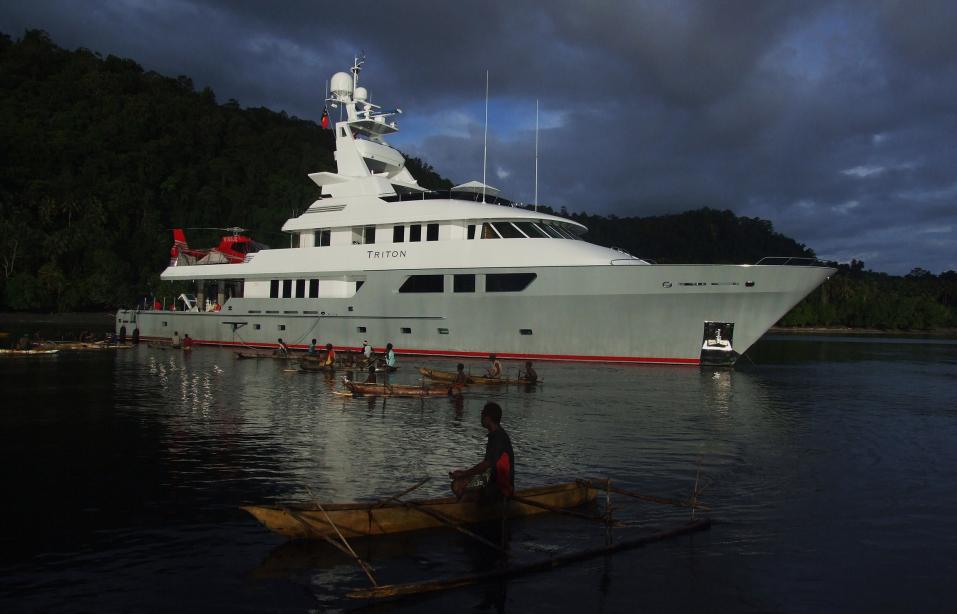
<point x="418" y="588"/>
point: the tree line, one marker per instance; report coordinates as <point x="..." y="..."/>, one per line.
<point x="101" y="159"/>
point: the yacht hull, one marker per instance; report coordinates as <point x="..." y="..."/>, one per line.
<point x="664" y="314"/>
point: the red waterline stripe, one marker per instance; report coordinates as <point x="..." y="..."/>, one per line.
<point x="513" y="356"/>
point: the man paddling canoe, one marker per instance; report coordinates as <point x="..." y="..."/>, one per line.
<point x="494" y="477"/>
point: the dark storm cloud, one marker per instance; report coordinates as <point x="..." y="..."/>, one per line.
<point x="834" y="120"/>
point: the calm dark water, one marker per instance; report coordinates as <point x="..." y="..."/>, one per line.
<point x="829" y="462"/>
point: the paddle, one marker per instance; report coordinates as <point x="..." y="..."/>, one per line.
<point x="345" y="549"/>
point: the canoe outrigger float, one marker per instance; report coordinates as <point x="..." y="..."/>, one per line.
<point x="400" y="390"/>
<point x="449" y="376"/>
<point x="309" y="521"/>
<point x="335" y="523"/>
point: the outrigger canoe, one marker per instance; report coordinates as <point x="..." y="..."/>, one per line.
<point x="306" y="521"/>
<point x="400" y="390"/>
<point x="449" y="376"/>
<point x="27" y="352"/>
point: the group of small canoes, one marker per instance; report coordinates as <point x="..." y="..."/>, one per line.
<point x="35" y="346"/>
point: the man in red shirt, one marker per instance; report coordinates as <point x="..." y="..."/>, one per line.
<point x="494" y="477"/>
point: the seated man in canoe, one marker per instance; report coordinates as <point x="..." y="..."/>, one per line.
<point x="495" y="369"/>
<point x="494" y="477"/>
<point x="330" y="359"/>
<point x="461" y="379"/>
<point x="529" y="373"/>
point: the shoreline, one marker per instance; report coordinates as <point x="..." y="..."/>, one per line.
<point x="942" y="333"/>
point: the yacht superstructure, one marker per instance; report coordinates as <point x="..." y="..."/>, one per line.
<point x="379" y="257"/>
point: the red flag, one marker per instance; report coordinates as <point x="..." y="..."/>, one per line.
<point x="325" y="118"/>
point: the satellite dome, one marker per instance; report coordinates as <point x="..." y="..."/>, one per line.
<point x="361" y="95"/>
<point x="341" y="85"/>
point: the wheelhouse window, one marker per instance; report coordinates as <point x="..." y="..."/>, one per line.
<point x="548" y="228"/>
<point x="398" y="234"/>
<point x="432" y="232"/>
<point x="463" y="283"/>
<point x="488" y="232"/>
<point x="369" y="235"/>
<point x="508" y="282"/>
<point x="323" y="237"/>
<point x="507" y="231"/>
<point x="423" y="283"/>
<point x="415" y="232"/>
<point x="300" y="288"/>
<point x="531" y="230"/>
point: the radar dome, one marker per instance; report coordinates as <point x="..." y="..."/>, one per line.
<point x="341" y="85"/>
<point x="362" y="94"/>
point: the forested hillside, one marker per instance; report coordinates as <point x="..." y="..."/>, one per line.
<point x="100" y="159"/>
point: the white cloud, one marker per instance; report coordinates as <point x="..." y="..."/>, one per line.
<point x="864" y="171"/>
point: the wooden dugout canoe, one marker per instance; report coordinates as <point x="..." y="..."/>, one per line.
<point x="399" y="390"/>
<point x="27" y="352"/>
<point x="258" y="355"/>
<point x="306" y="521"/>
<point x="449" y="376"/>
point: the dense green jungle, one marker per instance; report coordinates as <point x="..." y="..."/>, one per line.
<point x="101" y="158"/>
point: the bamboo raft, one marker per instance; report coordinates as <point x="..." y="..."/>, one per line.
<point x="400" y="390"/>
<point x="320" y="521"/>
<point x="450" y="376"/>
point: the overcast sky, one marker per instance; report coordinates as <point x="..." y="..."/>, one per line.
<point x="837" y="121"/>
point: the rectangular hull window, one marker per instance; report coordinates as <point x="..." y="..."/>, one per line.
<point x="300" y="288"/>
<point x="398" y="234"/>
<point x="415" y="232"/>
<point x="287" y="288"/>
<point x="323" y="237"/>
<point x="369" y="235"/>
<point x="274" y="288"/>
<point x="471" y="231"/>
<point x="508" y="282"/>
<point x="313" y="288"/>
<point x="406" y="331"/>
<point x="423" y="283"/>
<point x="432" y="232"/>
<point x="463" y="283"/>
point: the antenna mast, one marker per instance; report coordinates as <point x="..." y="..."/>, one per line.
<point x="536" y="155"/>
<point x="485" y="147"/>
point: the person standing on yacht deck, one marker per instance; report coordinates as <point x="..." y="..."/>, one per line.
<point x="495" y="370"/>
